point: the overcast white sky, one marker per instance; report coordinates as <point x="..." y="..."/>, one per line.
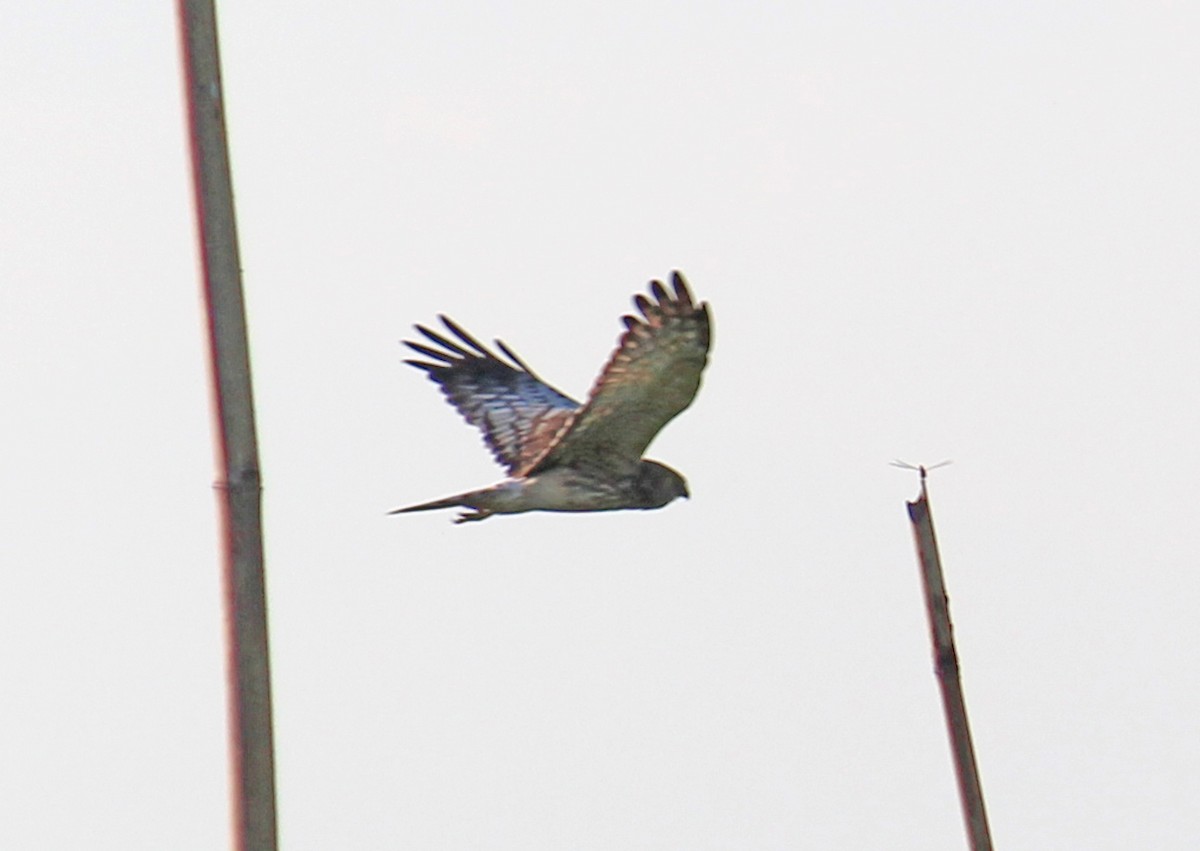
<point x="926" y="230"/>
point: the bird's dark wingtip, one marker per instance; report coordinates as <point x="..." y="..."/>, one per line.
<point x="682" y="293"/>
<point x="427" y="367"/>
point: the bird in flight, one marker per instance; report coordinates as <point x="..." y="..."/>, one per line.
<point x="561" y="455"/>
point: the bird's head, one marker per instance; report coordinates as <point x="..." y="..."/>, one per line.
<point x="658" y="484"/>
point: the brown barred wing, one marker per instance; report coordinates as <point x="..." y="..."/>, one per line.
<point x="653" y="375"/>
<point x="519" y="414"/>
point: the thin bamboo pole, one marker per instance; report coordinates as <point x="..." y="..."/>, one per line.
<point x="970" y="792"/>
<point x="239" y="490"/>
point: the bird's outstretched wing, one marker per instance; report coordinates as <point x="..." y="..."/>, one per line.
<point x="651" y="377"/>
<point x="519" y="414"/>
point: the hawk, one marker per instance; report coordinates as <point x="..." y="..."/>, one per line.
<point x="561" y="455"/>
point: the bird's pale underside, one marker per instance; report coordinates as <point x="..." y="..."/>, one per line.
<point x="560" y="455"/>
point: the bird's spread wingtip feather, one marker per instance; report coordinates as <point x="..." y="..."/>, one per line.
<point x="513" y="356"/>
<point x="682" y="293"/>
<point x="429" y="352"/>
<point x="428" y="367"/>
<point x="462" y="334"/>
<point x="435" y="337"/>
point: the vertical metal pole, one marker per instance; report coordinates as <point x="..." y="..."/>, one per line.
<point x="238" y="486"/>
<point x="946" y="664"/>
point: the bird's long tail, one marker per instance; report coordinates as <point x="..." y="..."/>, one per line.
<point x="465" y="500"/>
<point x="448" y="502"/>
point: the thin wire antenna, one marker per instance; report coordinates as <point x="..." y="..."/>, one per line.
<point x="945" y="657"/>
<point x="920" y="468"/>
<point x="251" y="746"/>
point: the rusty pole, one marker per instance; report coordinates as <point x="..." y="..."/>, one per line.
<point x="252" y="760"/>
<point x="945" y="657"/>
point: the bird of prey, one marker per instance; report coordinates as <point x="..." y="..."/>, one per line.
<point x="561" y="455"/>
